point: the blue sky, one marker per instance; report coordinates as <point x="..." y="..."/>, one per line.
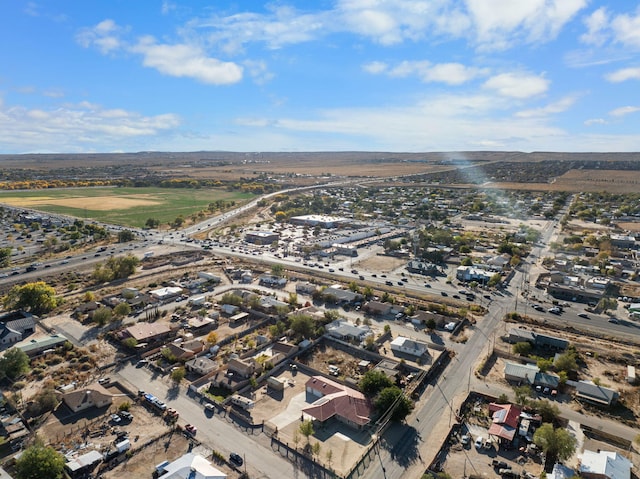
<point x="374" y="75"/>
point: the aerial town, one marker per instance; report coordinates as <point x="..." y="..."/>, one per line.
<point x="294" y="324"/>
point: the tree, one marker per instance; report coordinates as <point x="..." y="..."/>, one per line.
<point x="303" y="325"/>
<point x="544" y="364"/>
<point x="557" y="444"/>
<point x="277" y="270"/>
<point x="102" y="316"/>
<point x="523" y="393"/>
<point x="122" y="309"/>
<point x="5" y="256"/>
<point x="306" y="429"/>
<point x="40" y="462"/>
<point x="37" y="298"/>
<point x="523" y="348"/>
<point x="566" y="362"/>
<point x="373" y="382"/>
<point x="125" y="236"/>
<point x="177" y="375"/>
<point x="14" y="363"/>
<point x="46" y="400"/>
<point x="212" y="338"/>
<point x="130" y="343"/>
<point x="393" y="397"/>
<point x="547" y="410"/>
<point x="152" y="223"/>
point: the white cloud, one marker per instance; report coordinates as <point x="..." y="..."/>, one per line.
<point x="499" y="24"/>
<point x="596" y="24"/>
<point x="105" y="36"/>
<point x="375" y="68"/>
<point x="626" y="29"/>
<point x="183" y="60"/>
<point x="595" y="121"/>
<point x="449" y="73"/>
<point x="491" y="24"/>
<point x="552" y="108"/>
<point x="77" y="127"/>
<point x="167" y="7"/>
<point x="259" y="71"/>
<point x="624" y="75"/>
<point x="624" y="110"/>
<point x="517" y="85"/>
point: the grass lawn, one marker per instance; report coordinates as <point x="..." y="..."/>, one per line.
<point x="122" y="206"/>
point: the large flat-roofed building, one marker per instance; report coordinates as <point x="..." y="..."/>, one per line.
<point x="261" y="237"/>
<point x="323" y="221"/>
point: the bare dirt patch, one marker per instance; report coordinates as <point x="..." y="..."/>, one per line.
<point x="96" y="203"/>
<point x="382" y="264"/>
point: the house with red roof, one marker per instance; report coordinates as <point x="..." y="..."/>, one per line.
<point x="337" y="401"/>
<point x="504" y="421"/>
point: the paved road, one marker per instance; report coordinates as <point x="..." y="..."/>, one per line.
<point x="213" y="431"/>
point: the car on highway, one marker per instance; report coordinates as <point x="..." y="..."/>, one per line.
<point x="236" y="459"/>
<point x="555" y="310"/>
<point x="443" y="293"/>
<point x="583" y="315"/>
<point x="614" y="320"/>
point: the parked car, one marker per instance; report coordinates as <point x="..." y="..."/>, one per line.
<point x="479" y="442"/>
<point x="191" y="429"/>
<point x="466" y="439"/>
<point x="236" y="459"/>
<point x="209" y="407"/>
<point x="115" y="419"/>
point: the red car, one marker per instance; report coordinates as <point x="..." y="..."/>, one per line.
<point x="191" y="429"/>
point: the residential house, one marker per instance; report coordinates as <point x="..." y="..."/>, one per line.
<point x="604" y="465"/>
<point x="245" y="368"/>
<point x="425" y="316"/>
<point x="409" y="346"/>
<point x="345" y="330"/>
<point x="8" y="336"/>
<point x="202" y="365"/>
<point x="504" y="421"/>
<point x="342" y="296"/>
<point x="517" y="335"/>
<point x="34" y="347"/>
<point x="91" y="396"/>
<point x="337" y="401"/>
<point x="166" y="294"/>
<point x="189" y="466"/>
<point x="14" y="326"/>
<point x="146" y="332"/>
<point x="272" y="281"/>
<point x="377" y="308"/>
<point x="593" y="393"/>
<point x="306" y="288"/>
<point x="520" y="373"/>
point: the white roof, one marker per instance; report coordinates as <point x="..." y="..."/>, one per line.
<point x="191" y="466"/>
<point x="607" y="463"/>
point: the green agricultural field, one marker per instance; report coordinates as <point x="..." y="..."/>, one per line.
<point x="123" y="206"/>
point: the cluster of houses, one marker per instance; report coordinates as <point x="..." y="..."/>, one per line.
<point x="530" y="374"/>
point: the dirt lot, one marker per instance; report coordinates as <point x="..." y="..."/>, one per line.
<point x="94" y="427"/>
<point x="381" y="264"/>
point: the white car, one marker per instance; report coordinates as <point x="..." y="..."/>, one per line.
<point x="479" y="442"/>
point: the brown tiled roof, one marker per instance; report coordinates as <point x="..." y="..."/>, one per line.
<point x="338" y="400"/>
